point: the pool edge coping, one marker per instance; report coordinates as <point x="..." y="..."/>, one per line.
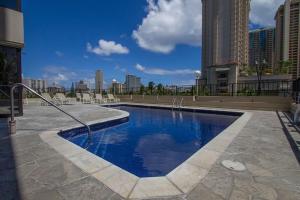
<point x="181" y="180"/>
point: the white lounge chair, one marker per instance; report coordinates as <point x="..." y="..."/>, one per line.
<point x="86" y="98"/>
<point x="112" y="98"/>
<point x="61" y="98"/>
<point x="92" y="96"/>
<point x="48" y="98"/>
<point x="100" y="99"/>
<point x="78" y="97"/>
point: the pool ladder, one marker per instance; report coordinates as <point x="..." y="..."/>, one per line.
<point x="177" y="104"/>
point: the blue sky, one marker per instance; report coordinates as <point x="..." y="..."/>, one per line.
<point x="159" y="41"/>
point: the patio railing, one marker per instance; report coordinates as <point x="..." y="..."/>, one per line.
<point x="265" y="88"/>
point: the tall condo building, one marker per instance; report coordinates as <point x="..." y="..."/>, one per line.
<point x="116" y="87"/>
<point x="261" y="46"/>
<point x="287" y="37"/>
<point x="81" y="86"/>
<point x="132" y="83"/>
<point x="11" y="43"/>
<point x="99" y="81"/>
<point x="224" y="40"/>
<point x="38" y="85"/>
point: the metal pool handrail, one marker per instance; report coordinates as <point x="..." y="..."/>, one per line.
<point x="174" y="102"/>
<point x="180" y="104"/>
<point x="40" y="96"/>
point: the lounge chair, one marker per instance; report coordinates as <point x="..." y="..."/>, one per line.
<point x="100" y="99"/>
<point x="61" y="98"/>
<point x="112" y="98"/>
<point x="48" y="98"/>
<point x="86" y="98"/>
<point x="92" y="96"/>
<point x="78" y="97"/>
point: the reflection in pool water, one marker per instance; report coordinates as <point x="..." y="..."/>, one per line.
<point x="154" y="141"/>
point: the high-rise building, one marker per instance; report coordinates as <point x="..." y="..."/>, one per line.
<point x="132" y="83"/>
<point x="11" y="43"/>
<point x="81" y="86"/>
<point x="55" y="88"/>
<point x="99" y="81"/>
<point x="116" y="87"/>
<point x="224" y="40"/>
<point x="38" y="85"/>
<point x="287" y="37"/>
<point x="261" y="46"/>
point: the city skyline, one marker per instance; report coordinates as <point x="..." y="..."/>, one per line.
<point x="70" y="54"/>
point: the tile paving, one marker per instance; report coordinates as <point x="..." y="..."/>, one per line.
<point x="31" y="169"/>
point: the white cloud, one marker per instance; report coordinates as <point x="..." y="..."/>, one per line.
<point x="263" y="11"/>
<point x="187" y="82"/>
<point x="59" y="53"/>
<point x="169" y="23"/>
<point x="106" y="48"/>
<point x="172" y="22"/>
<point x="58" y="74"/>
<point x="121" y="69"/>
<point x="161" y="71"/>
<point x="61" y="77"/>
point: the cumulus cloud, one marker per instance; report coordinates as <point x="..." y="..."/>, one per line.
<point x="161" y="71"/>
<point x="173" y="22"/>
<point x="106" y="48"/>
<point x="169" y="23"/>
<point x="263" y="11"/>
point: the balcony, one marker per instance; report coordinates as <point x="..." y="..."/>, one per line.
<point x="11" y="28"/>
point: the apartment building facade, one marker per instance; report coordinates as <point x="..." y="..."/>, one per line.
<point x="55" y="88"/>
<point x="116" y="87"/>
<point x="224" y="40"/>
<point x="99" y="81"/>
<point x="261" y="46"/>
<point x="81" y="86"/>
<point x="132" y="83"/>
<point x="38" y="85"/>
<point x="287" y="37"/>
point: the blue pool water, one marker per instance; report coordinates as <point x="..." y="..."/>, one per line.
<point x="152" y="142"/>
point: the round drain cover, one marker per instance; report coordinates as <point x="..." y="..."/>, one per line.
<point x="232" y="165"/>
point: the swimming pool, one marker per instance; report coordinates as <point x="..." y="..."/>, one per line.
<point x="152" y="141"/>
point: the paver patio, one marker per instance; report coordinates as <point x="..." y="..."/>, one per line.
<point x="31" y="169"/>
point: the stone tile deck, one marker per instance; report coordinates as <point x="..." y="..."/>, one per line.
<point x="31" y="169"/>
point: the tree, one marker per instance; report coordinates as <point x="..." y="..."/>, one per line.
<point x="160" y="88"/>
<point x="72" y="94"/>
<point x="285" y="66"/>
<point x="151" y="85"/>
<point x="142" y="89"/>
<point x="246" y="70"/>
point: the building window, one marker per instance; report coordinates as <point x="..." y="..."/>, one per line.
<point x="10" y="73"/>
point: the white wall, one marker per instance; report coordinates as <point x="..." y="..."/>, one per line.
<point x="11" y="28"/>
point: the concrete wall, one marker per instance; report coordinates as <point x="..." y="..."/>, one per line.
<point x="249" y="103"/>
<point x="11" y="28"/>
